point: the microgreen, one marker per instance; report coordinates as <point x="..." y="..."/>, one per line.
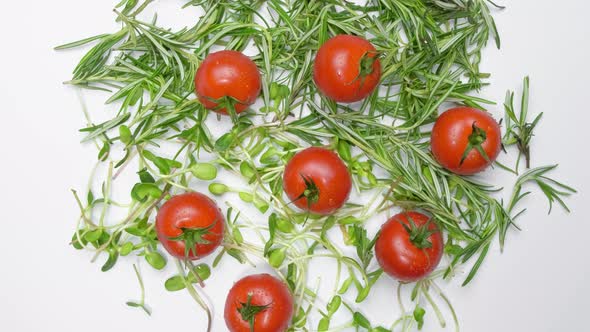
<point x="419" y="313"/>
<point x="141" y="304"/>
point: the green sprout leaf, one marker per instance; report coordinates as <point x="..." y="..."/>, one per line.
<point x="418" y="314"/>
<point x="156" y="260"/>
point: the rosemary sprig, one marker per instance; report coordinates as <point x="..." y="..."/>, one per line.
<point x="519" y="131"/>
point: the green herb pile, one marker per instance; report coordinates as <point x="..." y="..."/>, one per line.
<point x="430" y="52"/>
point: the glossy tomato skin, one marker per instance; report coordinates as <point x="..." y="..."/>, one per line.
<point x="189" y="210"/>
<point x="227" y="73"/>
<point x="327" y="171"/>
<point x="336" y="69"/>
<point x="264" y="289"/>
<point x="399" y="257"/>
<point x="450" y="136"/>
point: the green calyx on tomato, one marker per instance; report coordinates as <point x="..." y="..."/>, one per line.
<point x="311" y="192"/>
<point x="192" y="237"/>
<point x="248" y="311"/>
<point x="419" y="235"/>
<point x="476" y="139"/>
<point x="366" y="64"/>
<point x="227" y="104"/>
<point x="366" y="67"/>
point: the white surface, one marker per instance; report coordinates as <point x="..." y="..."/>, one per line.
<point x="539" y="284"/>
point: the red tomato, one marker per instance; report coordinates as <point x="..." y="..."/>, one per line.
<point x="346" y="68"/>
<point x="190" y="226"/>
<point x="228" y="74"/>
<point x="458" y="136"/>
<point x="409" y="252"/>
<point x="317" y="180"/>
<point x="260" y="300"/>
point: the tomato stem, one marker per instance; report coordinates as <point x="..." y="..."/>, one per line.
<point x="311" y="192"/>
<point x="365" y="67"/>
<point x="192" y="237"/>
<point x="248" y="311"/>
<point x="366" y="64"/>
<point x="477" y="137"/>
<point x="419" y="235"/>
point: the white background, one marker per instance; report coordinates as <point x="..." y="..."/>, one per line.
<point x="539" y="284"/>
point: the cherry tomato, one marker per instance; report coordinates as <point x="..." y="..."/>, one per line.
<point x="190" y="226"/>
<point x="346" y="68"/>
<point x="317" y="180"/>
<point x="465" y="140"/>
<point x="260" y="303"/>
<point x="409" y="246"/>
<point x="227" y="77"/>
